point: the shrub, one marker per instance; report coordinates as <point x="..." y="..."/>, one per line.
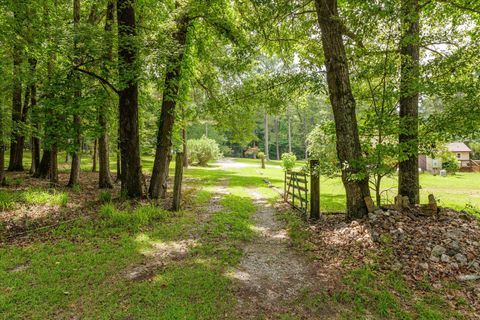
<point x="449" y="162"/>
<point x="105" y="196"/>
<point x="201" y="151"/>
<point x="288" y="161"/>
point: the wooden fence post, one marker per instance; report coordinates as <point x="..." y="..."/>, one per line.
<point x="177" y="185"/>
<point x="314" y="190"/>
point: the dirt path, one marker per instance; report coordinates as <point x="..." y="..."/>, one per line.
<point x="271" y="273"/>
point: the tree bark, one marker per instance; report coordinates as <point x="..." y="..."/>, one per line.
<point x="128" y="105"/>
<point x="77" y="121"/>
<point x="277" y="146"/>
<point x="2" y="148"/>
<point x="158" y="184"/>
<point x="43" y="168"/>
<point x="16" y="153"/>
<point x="408" y="177"/>
<point x="35" y="142"/>
<point x="343" y="104"/>
<point x="289" y="132"/>
<point x="185" y="147"/>
<point x="265" y="135"/>
<point x="53" y="169"/>
<point x="94" y="156"/>
<point x="104" y="176"/>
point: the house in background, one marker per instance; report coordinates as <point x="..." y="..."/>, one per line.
<point x="461" y="152"/>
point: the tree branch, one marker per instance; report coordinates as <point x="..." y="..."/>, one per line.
<point x="96" y="76"/>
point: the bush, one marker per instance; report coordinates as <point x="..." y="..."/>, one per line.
<point x="449" y="162"/>
<point x="288" y="161"/>
<point x="201" y="151"/>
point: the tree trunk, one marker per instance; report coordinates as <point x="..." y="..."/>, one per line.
<point x="185" y="147"/>
<point x="53" y="169"/>
<point x="277" y="146"/>
<point x="94" y="156"/>
<point x="43" y="168"/>
<point x="265" y="134"/>
<point x="77" y="121"/>
<point x="104" y="176"/>
<point x="15" y="163"/>
<point x="35" y="142"/>
<point x="177" y="185"/>
<point x="158" y="184"/>
<point x="2" y="149"/>
<point x="289" y="132"/>
<point x="131" y="169"/>
<point x="343" y="104"/>
<point x="408" y="178"/>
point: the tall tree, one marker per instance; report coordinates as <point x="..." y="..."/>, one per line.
<point x="128" y="104"/>
<point x="408" y="179"/>
<point x="16" y="147"/>
<point x="35" y="141"/>
<point x="158" y="184"/>
<point x="105" y="179"/>
<point x="75" y="169"/>
<point x="277" y="145"/>
<point x="343" y="104"/>
<point x="265" y="136"/>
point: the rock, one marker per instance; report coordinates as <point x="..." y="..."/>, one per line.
<point x="386" y="213"/>
<point x="438" y="250"/>
<point x="454" y="234"/>
<point x="453" y="248"/>
<point x="369" y="202"/>
<point x="372" y="216"/>
<point x="454" y="265"/>
<point x="424" y="266"/>
<point x="468" y="277"/>
<point x="475" y="265"/>
<point x="461" y="258"/>
<point x="434" y="259"/>
<point x="445" y="258"/>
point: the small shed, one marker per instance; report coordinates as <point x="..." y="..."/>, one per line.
<point x="461" y="152"/>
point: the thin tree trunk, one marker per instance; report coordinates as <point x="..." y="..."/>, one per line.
<point x="265" y="135"/>
<point x="2" y="148"/>
<point x="104" y="177"/>
<point x="53" y="170"/>
<point x="77" y="121"/>
<point x="408" y="177"/>
<point x="94" y="156"/>
<point x="35" y="142"/>
<point x="277" y="146"/>
<point x="343" y="104"/>
<point x="131" y="169"/>
<point x="15" y="163"/>
<point x="158" y="183"/>
<point x="289" y="132"/>
<point x="185" y="147"/>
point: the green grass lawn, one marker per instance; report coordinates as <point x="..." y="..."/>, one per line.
<point x="77" y="269"/>
<point x="460" y="191"/>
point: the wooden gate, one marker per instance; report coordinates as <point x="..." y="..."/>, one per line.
<point x="296" y="191"/>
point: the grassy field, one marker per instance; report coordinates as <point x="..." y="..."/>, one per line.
<point x="460" y="191"/>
